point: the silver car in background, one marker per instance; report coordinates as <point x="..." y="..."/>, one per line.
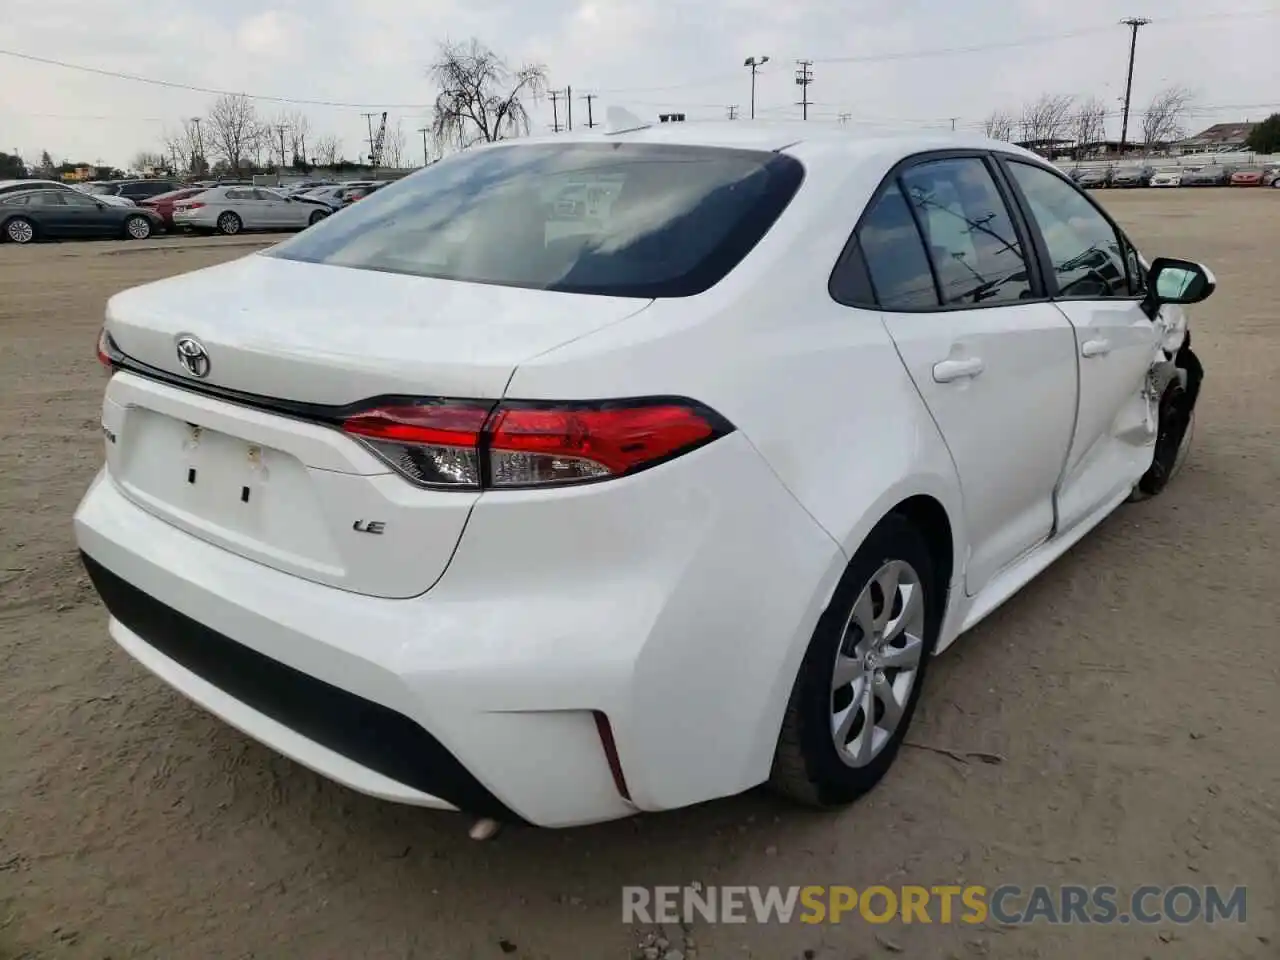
<point x="231" y="210"/>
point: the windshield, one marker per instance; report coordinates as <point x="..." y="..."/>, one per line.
<point x="637" y="220"/>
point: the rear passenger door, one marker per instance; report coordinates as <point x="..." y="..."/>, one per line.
<point x="1098" y="284"/>
<point x="992" y="359"/>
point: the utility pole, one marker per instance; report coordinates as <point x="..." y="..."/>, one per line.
<point x="804" y="77"/>
<point x="589" y="97"/>
<point x="568" y="105"/>
<point x="732" y="110"/>
<point x="424" y="131"/>
<point x="755" y="63"/>
<point x="280" y="129"/>
<point x="368" y="119"/>
<point x="1133" y="23"/>
<point x="555" y="110"/>
<point x="953" y="123"/>
<point x="198" y="146"/>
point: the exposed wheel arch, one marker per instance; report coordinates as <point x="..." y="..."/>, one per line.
<point x="931" y="519"/>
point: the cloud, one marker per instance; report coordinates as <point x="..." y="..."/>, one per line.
<point x="649" y="57"/>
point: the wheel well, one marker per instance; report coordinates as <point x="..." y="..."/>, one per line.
<point x="930" y="518"/>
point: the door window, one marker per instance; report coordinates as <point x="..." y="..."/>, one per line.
<point x="73" y="199"/>
<point x="1088" y="254"/>
<point x="895" y="256"/>
<point x="239" y="194"/>
<point x="976" y="253"/>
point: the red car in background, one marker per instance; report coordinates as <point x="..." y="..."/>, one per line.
<point x="163" y="203"/>
<point x="1248" y="177"/>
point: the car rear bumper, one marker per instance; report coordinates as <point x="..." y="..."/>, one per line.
<point x="681" y="621"/>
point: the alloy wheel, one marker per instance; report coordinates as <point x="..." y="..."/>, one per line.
<point x="20" y="231"/>
<point x="877" y="663"/>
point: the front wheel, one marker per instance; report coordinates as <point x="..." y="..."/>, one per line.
<point x="316" y="217"/>
<point x="20" y="230"/>
<point x="139" y="228"/>
<point x="230" y="224"/>
<point x="861" y="677"/>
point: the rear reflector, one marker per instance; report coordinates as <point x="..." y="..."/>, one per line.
<point x="473" y="445"/>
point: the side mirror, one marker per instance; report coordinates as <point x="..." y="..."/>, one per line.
<point x="1179" y="282"/>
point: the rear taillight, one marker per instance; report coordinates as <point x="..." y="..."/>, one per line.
<point x="193" y="205"/>
<point x="471" y="445"/>
<point x="108" y="353"/>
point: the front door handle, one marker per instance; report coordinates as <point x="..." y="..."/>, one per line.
<point x="951" y="370"/>
<point x="1096" y="348"/>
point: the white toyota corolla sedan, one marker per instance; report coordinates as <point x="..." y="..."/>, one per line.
<point x="575" y="477"/>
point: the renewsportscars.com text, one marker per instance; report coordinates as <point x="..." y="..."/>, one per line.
<point x="1006" y="904"/>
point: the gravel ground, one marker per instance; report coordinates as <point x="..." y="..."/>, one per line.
<point x="1131" y="691"/>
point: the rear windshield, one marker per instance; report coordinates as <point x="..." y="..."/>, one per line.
<point x="630" y="220"/>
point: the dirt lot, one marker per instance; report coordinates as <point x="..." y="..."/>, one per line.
<point x="1132" y="691"/>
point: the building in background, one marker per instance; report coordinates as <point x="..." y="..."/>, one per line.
<point x="1220" y="138"/>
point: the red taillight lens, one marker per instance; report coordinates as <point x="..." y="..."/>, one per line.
<point x="194" y="205"/>
<point x="471" y="445"/>
<point x="108" y="353"/>
<point x="532" y="446"/>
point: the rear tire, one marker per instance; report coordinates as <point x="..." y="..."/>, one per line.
<point x="230" y="224"/>
<point x="868" y="647"/>
<point x="19" y="230"/>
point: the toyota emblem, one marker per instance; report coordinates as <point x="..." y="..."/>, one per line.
<point x="193" y="357"/>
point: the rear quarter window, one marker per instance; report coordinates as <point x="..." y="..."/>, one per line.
<point x="638" y="220"/>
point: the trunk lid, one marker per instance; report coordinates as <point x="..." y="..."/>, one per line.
<point x="298" y="496"/>
<point x="333" y="335"/>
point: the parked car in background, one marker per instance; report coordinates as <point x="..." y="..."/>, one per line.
<point x="13" y="186"/>
<point x="469" y="507"/>
<point x="1167" y="177"/>
<point x="52" y="214"/>
<point x="359" y="193"/>
<point x="231" y="210"/>
<point x="1097" y="177"/>
<point x="1247" y="177"/>
<point x="133" y="190"/>
<point x="1132" y="176"/>
<point x="295" y="189"/>
<point x="336" y="196"/>
<point x="163" y="204"/>
<point x="1212" y="175"/>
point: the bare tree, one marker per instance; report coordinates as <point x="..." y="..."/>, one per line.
<point x="1046" y="119"/>
<point x="233" y="127"/>
<point x="326" y="150"/>
<point x="481" y="98"/>
<point x="393" y="146"/>
<point x="186" y="148"/>
<point x="999" y="125"/>
<point x="145" y="160"/>
<point x="299" y="130"/>
<point x="1165" y="118"/>
<point x="1089" y="126"/>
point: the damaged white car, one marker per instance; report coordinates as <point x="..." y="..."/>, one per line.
<point x="552" y="512"/>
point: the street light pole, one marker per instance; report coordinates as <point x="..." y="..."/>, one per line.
<point x="755" y="63"/>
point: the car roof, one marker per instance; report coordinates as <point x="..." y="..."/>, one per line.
<point x="779" y="135"/>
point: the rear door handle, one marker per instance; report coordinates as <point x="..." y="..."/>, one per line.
<point x="950" y="370"/>
<point x="1096" y="348"/>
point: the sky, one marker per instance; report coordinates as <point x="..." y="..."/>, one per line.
<point x="887" y="65"/>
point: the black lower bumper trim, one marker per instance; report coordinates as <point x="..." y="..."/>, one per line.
<point x="365" y="732"/>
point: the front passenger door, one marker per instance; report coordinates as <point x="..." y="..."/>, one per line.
<point x="1099" y="288"/>
<point x="991" y="358"/>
